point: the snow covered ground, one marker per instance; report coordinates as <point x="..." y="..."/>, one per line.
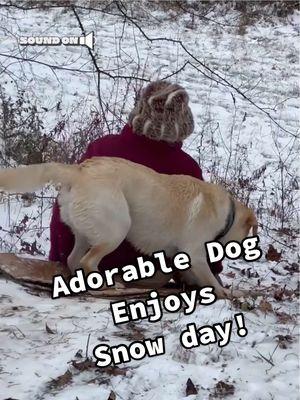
<point x="41" y="338"/>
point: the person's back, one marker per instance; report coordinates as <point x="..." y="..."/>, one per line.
<point x="162" y="108"/>
<point x="161" y="156"/>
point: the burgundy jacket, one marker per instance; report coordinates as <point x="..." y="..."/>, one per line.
<point x="159" y="155"/>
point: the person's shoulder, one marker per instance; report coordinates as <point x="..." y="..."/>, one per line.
<point x="188" y="158"/>
<point x="103" y="141"/>
<point x="191" y="165"/>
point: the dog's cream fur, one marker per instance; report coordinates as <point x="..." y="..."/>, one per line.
<point x="105" y="200"/>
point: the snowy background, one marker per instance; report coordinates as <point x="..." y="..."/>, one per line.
<point x="241" y="71"/>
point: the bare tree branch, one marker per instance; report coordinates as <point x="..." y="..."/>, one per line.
<point x="89" y="71"/>
<point x="98" y="71"/>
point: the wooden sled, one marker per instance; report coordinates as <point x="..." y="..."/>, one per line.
<point x="38" y="274"/>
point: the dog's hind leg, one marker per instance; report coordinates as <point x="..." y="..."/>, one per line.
<point x="90" y="261"/>
<point x="81" y="246"/>
<point x="105" y="224"/>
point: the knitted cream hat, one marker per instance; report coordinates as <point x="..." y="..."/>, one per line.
<point x="162" y="113"/>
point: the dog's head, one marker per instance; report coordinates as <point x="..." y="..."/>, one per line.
<point x="244" y="222"/>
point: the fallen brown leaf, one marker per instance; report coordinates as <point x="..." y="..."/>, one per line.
<point x="102" y="339"/>
<point x="284" y="318"/>
<point x="190" y="388"/>
<point x="88" y="364"/>
<point x="284" y="340"/>
<point x="115" y="371"/>
<point x="83" y="365"/>
<point x="272" y="254"/>
<point x="131" y="332"/>
<point x="283" y="294"/>
<point x="61" y="381"/>
<point x="294" y="267"/>
<point x="221" y="390"/>
<point x="79" y="354"/>
<point x="49" y="330"/>
<point x="112" y="396"/>
<point x="265" y="306"/>
<point x="242" y="305"/>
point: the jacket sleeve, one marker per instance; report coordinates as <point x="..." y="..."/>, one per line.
<point x="196" y="171"/>
<point x="61" y="236"/>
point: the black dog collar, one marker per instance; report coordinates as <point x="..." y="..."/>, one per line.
<point x="229" y="221"/>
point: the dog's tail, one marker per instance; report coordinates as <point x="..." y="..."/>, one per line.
<point x="35" y="176"/>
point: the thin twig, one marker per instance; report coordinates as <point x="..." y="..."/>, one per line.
<point x="97" y="70"/>
<point x="87" y="346"/>
<point x="58" y="67"/>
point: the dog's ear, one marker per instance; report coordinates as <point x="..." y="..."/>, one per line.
<point x="251" y="222"/>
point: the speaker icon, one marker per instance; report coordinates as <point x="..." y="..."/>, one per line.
<point x="87" y="40"/>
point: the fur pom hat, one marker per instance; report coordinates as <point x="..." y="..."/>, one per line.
<point x="162" y="113"/>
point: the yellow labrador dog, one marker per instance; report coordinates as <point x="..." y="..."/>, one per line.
<point x="105" y="200"/>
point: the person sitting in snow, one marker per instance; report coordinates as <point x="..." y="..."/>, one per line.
<point x="160" y="121"/>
